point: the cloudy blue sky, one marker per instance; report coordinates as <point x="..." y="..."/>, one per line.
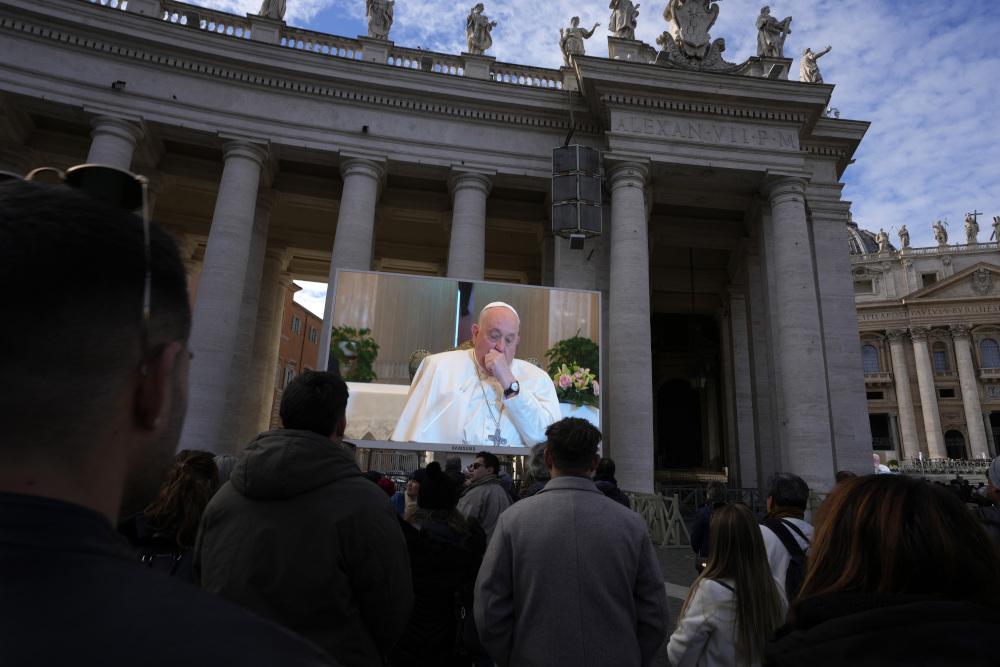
<point x="925" y="74"/>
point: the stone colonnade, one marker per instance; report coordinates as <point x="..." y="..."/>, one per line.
<point x="976" y="419"/>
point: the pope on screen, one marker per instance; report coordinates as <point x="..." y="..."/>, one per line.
<point x="482" y="397"/>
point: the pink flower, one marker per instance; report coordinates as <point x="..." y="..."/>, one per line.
<point x="565" y="381"/>
<point x="597" y="389"/>
<point x="578" y="374"/>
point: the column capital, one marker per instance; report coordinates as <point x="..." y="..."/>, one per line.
<point x="117" y="127"/>
<point x="919" y="333"/>
<point x="987" y="413"/>
<point x="362" y="166"/>
<point x="279" y="255"/>
<point x="895" y="335"/>
<point x="960" y="331"/>
<point x="245" y="149"/>
<point x="462" y="180"/>
<point x="626" y="174"/>
<point x="894" y="414"/>
<point x="784" y="188"/>
<point x="285" y="279"/>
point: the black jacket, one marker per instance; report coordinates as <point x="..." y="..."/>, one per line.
<point x="300" y="537"/>
<point x="876" y="630"/>
<point x="72" y="593"/>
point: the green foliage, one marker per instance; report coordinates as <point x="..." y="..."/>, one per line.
<point x="575" y="351"/>
<point x="359" y="343"/>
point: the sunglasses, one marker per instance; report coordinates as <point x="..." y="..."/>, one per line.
<point x="476" y="466"/>
<point x="116" y="187"/>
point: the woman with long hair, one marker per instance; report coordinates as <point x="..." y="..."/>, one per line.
<point x="900" y="572"/>
<point x="735" y="605"/>
<point x="163" y="534"/>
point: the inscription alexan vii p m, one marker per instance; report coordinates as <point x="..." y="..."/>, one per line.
<point x="705" y="132"/>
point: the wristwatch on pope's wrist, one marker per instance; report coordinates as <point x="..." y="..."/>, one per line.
<point x="513" y="389"/>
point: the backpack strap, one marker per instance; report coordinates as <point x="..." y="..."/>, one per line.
<point x="724" y="584"/>
<point x="780" y="528"/>
<point x="798" y="530"/>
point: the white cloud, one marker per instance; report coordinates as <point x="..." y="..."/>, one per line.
<point x="312" y="296"/>
<point x="921" y="72"/>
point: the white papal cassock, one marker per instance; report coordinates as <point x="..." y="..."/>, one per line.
<point x="453" y="401"/>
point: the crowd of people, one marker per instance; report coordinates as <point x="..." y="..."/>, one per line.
<point x="115" y="550"/>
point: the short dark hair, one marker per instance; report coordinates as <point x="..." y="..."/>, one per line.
<point x="572" y="444"/>
<point x="314" y="401"/>
<point x="73" y="269"/>
<point x="788" y="490"/>
<point x="843" y="476"/>
<point x="453" y="462"/>
<point x="716" y="491"/>
<point x="490" y="460"/>
<point x="605" y="467"/>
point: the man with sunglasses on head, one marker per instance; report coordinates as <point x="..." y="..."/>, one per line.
<point x="482" y="397"/>
<point x="93" y="392"/>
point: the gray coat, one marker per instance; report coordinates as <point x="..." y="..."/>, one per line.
<point x="484" y="501"/>
<point x="571" y="578"/>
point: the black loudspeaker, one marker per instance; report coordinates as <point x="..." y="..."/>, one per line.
<point x="576" y="193"/>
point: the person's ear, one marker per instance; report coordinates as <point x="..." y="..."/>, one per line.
<point x="341" y="427"/>
<point x="593" y="464"/>
<point x="770" y="503"/>
<point x="475" y="332"/>
<point x="153" y="393"/>
<point x="548" y="458"/>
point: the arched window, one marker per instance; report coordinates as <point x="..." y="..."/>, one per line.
<point x="939" y="352"/>
<point x="990" y="353"/>
<point x="869" y="358"/>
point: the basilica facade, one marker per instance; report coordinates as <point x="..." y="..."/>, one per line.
<point x="729" y="332"/>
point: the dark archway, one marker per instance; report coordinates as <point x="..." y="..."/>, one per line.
<point x="954" y="443"/>
<point x="679" y="439"/>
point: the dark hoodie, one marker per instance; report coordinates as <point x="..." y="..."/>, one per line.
<point x="298" y="536"/>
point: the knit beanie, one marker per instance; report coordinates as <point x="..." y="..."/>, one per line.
<point x="437" y="491"/>
<point x="387" y="486"/>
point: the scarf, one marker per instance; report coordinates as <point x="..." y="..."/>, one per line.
<point x="786" y="512"/>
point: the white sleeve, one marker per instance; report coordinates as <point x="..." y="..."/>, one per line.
<point x="694" y="629"/>
<point x="535" y="407"/>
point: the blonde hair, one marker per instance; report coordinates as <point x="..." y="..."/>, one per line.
<point x="452" y="517"/>
<point x="737" y="552"/>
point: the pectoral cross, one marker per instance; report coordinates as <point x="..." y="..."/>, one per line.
<point x="496" y="438"/>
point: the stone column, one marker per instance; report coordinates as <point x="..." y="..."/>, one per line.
<point x="743" y="390"/>
<point x="284" y="281"/>
<point x="629" y="371"/>
<point x="352" y="244"/>
<point x="805" y="420"/>
<point x="114" y="142"/>
<point x="894" y="434"/>
<point x="467" y="249"/>
<point x="928" y="396"/>
<point x="970" y="388"/>
<point x="267" y="336"/>
<point x="241" y="402"/>
<point x="910" y="444"/>
<point x="990" y="439"/>
<point x="216" y="317"/>
<point x="712" y="398"/>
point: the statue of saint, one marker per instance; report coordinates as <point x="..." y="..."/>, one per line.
<point x="571" y="39"/>
<point x="996" y="228"/>
<point x="379" y="17"/>
<point x="771" y="34"/>
<point x="272" y="9"/>
<point x="904" y="237"/>
<point x="971" y="229"/>
<point x="940" y="233"/>
<point x="477" y="31"/>
<point x="883" y="240"/>
<point x="808" y="69"/>
<point x="623" y="18"/>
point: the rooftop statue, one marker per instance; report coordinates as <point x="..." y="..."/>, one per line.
<point x="971" y="228"/>
<point x="571" y="39"/>
<point x="940" y="233"/>
<point x="996" y="228"/>
<point x="272" y="9"/>
<point x="883" y="240"/>
<point x="808" y="69"/>
<point x="477" y="31"/>
<point x="771" y="34"/>
<point x="379" y="17"/>
<point x="623" y="18"/>
<point x="904" y="237"/>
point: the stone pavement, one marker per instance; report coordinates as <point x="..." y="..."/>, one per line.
<point x="678" y="575"/>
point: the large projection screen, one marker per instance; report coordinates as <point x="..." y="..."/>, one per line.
<point x="407" y="313"/>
